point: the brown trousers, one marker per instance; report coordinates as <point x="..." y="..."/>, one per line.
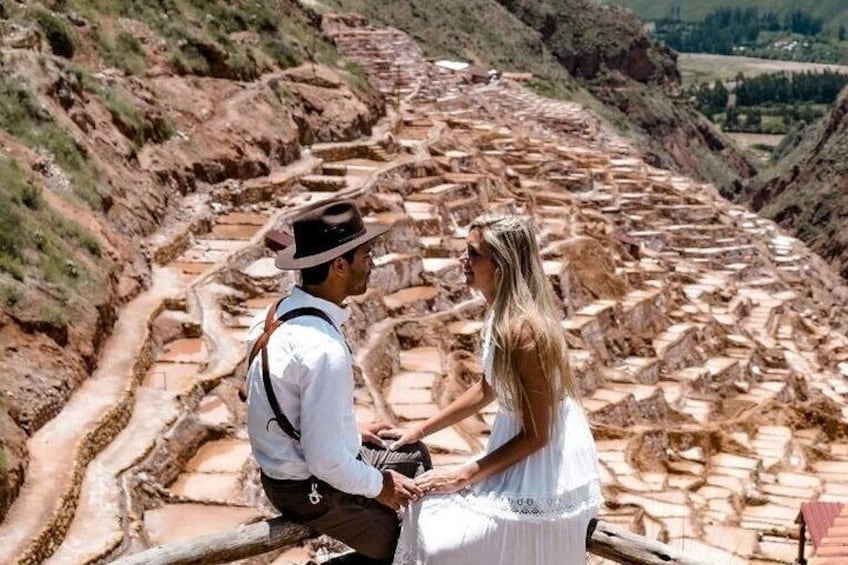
<point x="362" y="523"/>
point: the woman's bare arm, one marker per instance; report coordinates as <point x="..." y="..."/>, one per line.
<point x="468" y="403"/>
<point x="534" y="435"/>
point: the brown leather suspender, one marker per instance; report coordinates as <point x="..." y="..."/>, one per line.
<point x="261" y="346"/>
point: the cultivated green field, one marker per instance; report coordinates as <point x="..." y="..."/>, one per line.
<point x="834" y="12"/>
<point x="701" y="67"/>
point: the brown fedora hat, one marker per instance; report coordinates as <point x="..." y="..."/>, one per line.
<point x="324" y="233"/>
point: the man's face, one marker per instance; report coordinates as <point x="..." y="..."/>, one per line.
<point x="360" y="269"/>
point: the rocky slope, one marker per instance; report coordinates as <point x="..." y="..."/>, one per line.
<point x="109" y="120"/>
<point x="808" y="196"/>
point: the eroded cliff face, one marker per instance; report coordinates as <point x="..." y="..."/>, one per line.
<point x="674" y="136"/>
<point x="809" y="198"/>
<point x="139" y="143"/>
<point x="589" y="39"/>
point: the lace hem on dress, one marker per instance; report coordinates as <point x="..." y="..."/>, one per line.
<point x="515" y="506"/>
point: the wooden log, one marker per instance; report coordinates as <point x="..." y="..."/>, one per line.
<point x="260" y="537"/>
<point x="245" y="541"/>
<point x="623" y="546"/>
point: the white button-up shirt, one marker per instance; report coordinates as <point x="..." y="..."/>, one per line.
<point x="312" y="376"/>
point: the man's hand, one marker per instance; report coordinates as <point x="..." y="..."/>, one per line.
<point x="369" y="433"/>
<point x="402" y="436"/>
<point x="442" y="481"/>
<point x="398" y="491"/>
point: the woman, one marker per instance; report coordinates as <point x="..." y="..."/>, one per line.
<point x="530" y="497"/>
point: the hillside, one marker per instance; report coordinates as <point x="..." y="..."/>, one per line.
<point x="808" y="195"/>
<point x="580" y="51"/>
<point x="113" y="114"/>
<point x="628" y="72"/>
<point x="710" y="348"/>
<point x="115" y="120"/>
<point x="834" y="13"/>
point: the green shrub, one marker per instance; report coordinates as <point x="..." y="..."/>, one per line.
<point x="58" y="270"/>
<point x="40" y="240"/>
<point x="123" y="51"/>
<point x="542" y="87"/>
<point x="57" y="34"/>
<point x="189" y="61"/>
<point x="16" y="185"/>
<point x="88" y="82"/>
<point x="19" y="110"/>
<point x="31" y="196"/>
<point x="125" y="116"/>
<point x="70" y="230"/>
<point x="91" y="244"/>
<point x="284" y="54"/>
<point x="11" y="238"/>
<point x="22" y="116"/>
<point x="10" y="295"/>
<point x="70" y="158"/>
<point x="12" y="265"/>
<point x="52" y="315"/>
<point x="241" y="63"/>
<point x="162" y="129"/>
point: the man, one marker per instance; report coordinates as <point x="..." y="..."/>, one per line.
<point x="317" y="467"/>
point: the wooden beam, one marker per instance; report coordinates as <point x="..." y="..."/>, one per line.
<point x="260" y="537"/>
<point x="245" y="541"/>
<point x="623" y="546"/>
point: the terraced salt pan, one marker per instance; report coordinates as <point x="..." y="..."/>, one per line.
<point x="96" y="527"/>
<point x="53" y="448"/>
<point x="190" y="350"/>
<point x="173" y="377"/>
<point x="178" y="522"/>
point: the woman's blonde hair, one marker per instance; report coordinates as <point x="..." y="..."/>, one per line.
<point x="524" y="302"/>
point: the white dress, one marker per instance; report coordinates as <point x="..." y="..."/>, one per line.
<point x="535" y="512"/>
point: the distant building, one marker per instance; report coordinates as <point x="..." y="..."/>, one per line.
<point x="518" y="77"/>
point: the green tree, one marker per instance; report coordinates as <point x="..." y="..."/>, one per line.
<point x="58" y="36"/>
<point x="731" y="120"/>
<point x="720" y="95"/>
<point x="754" y="119"/>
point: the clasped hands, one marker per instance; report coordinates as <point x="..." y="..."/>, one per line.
<point x="434" y="481"/>
<point x="398" y="490"/>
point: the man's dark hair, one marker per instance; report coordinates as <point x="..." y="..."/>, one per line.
<point x="318" y="273"/>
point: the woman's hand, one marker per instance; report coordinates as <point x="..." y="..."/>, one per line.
<point x="401" y="436"/>
<point x="444" y="481"/>
<point x="370" y="433"/>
